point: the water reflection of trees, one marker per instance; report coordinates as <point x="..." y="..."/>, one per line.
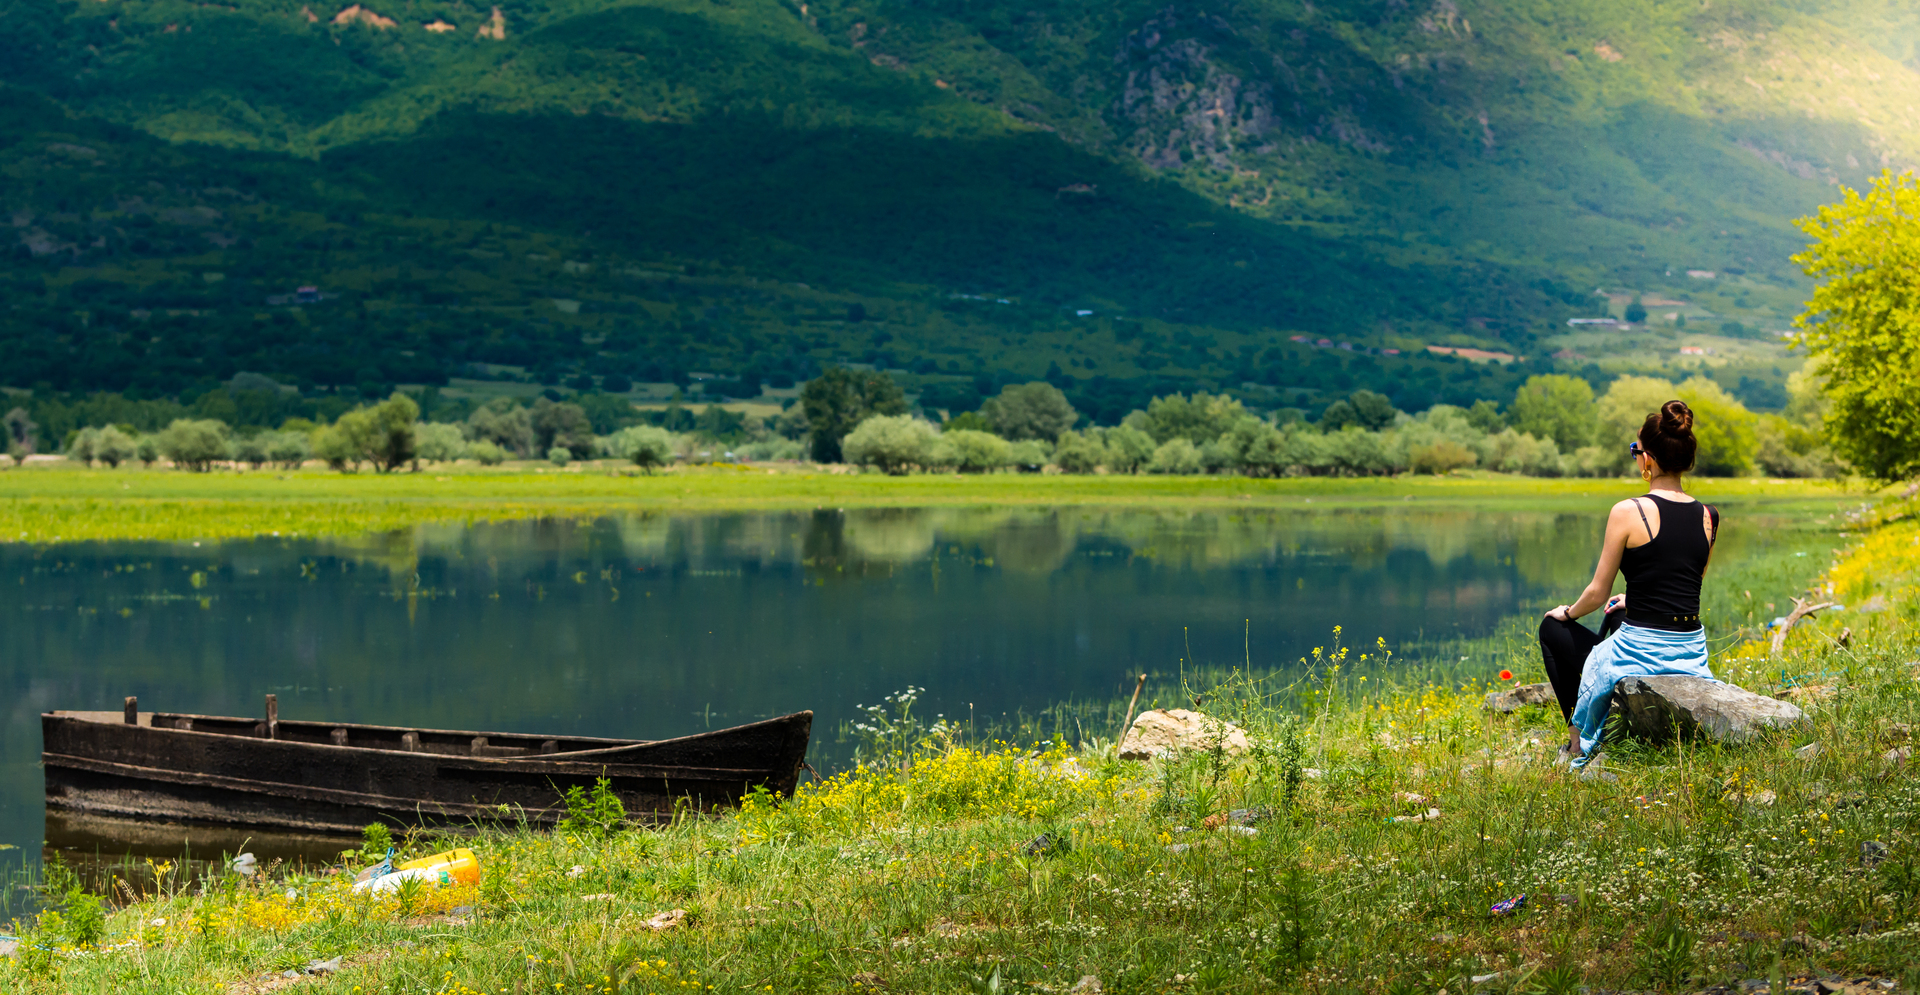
<point x="1542" y="549"/>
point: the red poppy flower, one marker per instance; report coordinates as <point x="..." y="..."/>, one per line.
<point x="1506" y="675"/>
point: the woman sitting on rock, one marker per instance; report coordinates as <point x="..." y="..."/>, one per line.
<point x="1661" y="542"/>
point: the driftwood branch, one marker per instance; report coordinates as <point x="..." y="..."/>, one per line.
<point x="1802" y="607"/>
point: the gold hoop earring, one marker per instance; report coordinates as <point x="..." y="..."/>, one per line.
<point x="1646" y="474"/>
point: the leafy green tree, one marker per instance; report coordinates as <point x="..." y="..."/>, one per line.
<point x="19" y="433"/>
<point x="1636" y="312"/>
<point x="645" y="446"/>
<point x="1862" y="325"/>
<point x="972" y="452"/>
<point x="333" y="445"/>
<point x="503" y="423"/>
<point x="1554" y="406"/>
<point x="972" y="421"/>
<point x="1621" y="411"/>
<point x="114" y="447"/>
<point x="382" y="434"/>
<point x="1485" y="416"/>
<point x="438" y="442"/>
<point x="194" y="444"/>
<point x="251" y="450"/>
<point x="1079" y="452"/>
<point x="1338" y="416"/>
<point x="1199" y="419"/>
<point x="559" y="456"/>
<point x="1029" y="411"/>
<point x="891" y="442"/>
<point x="561" y="424"/>
<point x="1129" y="448"/>
<point x="838" y="400"/>
<point x="1725" y="430"/>
<point x="1373" y="412"/>
<point x="80" y="445"/>
<point x="147" y="448"/>
<point x="1176" y="455"/>
<point x="289" y="448"/>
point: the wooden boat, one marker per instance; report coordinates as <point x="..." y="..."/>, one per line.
<point x="339" y="777"/>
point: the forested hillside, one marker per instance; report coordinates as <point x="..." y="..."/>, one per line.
<point x="1127" y="198"/>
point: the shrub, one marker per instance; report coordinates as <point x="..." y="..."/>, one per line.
<point x="486" y="452"/>
<point x="559" y="455"/>
<point x="891" y="442"/>
<point x="646" y="446"/>
<point x="598" y="812"/>
<point x="1029" y="454"/>
<point x="1443" y="456"/>
<point x="147" y="449"/>
<point x="973" y="452"/>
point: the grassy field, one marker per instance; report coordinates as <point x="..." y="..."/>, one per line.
<point x="67" y="504"/>
<point x="944" y="865"/>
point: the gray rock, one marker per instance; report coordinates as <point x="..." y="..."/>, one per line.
<point x="1179" y="848"/>
<point x="1872" y="852"/>
<point x="1046" y="843"/>
<point x="1808" y="752"/>
<point x="1515" y="698"/>
<point x="1660" y="708"/>
<point x="1593" y="772"/>
<point x="8" y="946"/>
<point x="323" y="966"/>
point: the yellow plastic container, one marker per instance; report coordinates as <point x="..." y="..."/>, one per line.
<point x="453" y="867"/>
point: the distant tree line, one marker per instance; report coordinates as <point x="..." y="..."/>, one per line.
<point x="1554" y="427"/>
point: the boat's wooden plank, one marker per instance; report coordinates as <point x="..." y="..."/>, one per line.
<point x="110" y="718"/>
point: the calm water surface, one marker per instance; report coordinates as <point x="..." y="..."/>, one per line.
<point x="653" y="626"/>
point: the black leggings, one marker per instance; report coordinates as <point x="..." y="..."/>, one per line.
<point x="1564" y="647"/>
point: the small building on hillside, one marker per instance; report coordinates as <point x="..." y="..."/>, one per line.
<point x="307" y="295"/>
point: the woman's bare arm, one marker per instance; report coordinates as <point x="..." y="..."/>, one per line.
<point x="1619" y="524"/>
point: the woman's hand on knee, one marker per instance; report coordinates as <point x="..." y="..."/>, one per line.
<point x="1561" y="613"/>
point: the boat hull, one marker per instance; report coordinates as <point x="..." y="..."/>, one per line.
<point x="325" y="777"/>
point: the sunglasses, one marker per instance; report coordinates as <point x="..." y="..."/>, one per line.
<point x="1633" y="449"/>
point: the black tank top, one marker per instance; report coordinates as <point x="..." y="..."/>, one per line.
<point x="1663" y="576"/>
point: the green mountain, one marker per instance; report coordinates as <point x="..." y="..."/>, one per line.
<point x="1127" y="198"/>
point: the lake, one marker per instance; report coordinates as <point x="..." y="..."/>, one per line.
<point x="651" y="626"/>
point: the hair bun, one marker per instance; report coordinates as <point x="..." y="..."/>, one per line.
<point x="1676" y="418"/>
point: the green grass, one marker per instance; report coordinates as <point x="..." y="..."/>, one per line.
<point x="1701" y="865"/>
<point x="69" y="504"/>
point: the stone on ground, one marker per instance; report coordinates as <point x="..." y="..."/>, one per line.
<point x="1165" y="731"/>
<point x="1515" y="698"/>
<point x="1668" y="706"/>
